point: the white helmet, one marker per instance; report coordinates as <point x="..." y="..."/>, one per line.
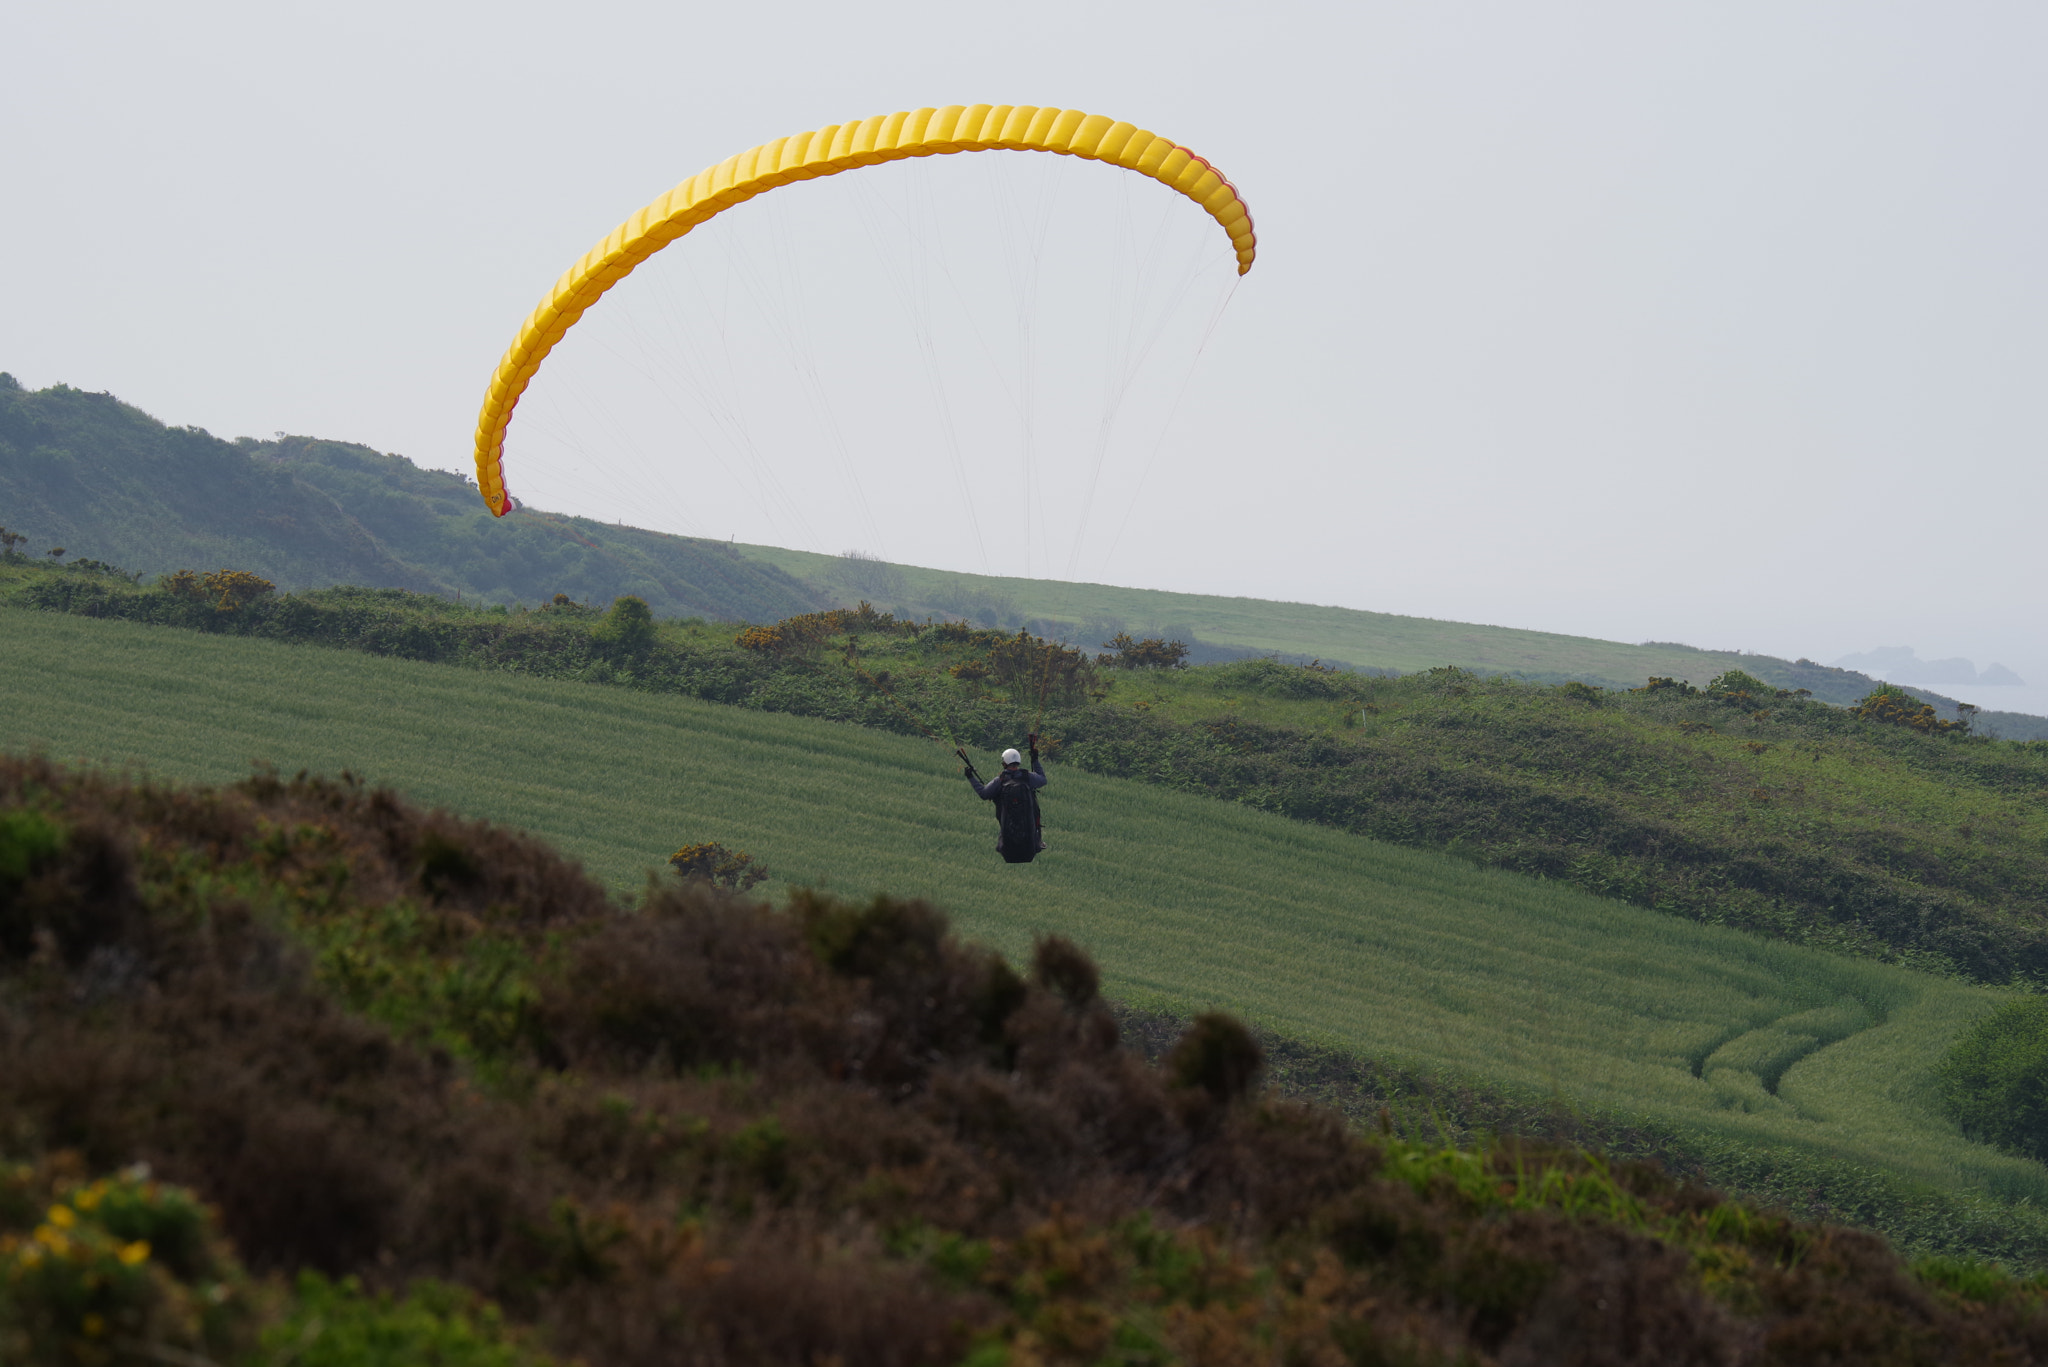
<point x="1012" y="757"/>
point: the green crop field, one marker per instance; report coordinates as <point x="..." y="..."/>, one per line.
<point x="1393" y="953"/>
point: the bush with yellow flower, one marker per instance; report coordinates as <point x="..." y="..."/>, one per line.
<point x="116" y="1270"/>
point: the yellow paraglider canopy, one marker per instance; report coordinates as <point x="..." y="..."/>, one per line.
<point x="826" y="152"/>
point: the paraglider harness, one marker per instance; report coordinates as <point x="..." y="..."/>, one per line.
<point x="1020" y="829"/>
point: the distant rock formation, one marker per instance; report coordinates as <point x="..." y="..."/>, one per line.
<point x="1898" y="664"/>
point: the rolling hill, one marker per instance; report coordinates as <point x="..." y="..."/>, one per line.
<point x="102" y="479"/>
<point x="1789" y="1070"/>
<point x="97" y="477"/>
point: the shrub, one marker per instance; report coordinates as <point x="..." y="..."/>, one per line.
<point x="338" y="1324"/>
<point x="1891" y="705"/>
<point x="1036" y="670"/>
<point x="227" y="590"/>
<point x="119" y="1269"/>
<point x="1064" y="969"/>
<point x="628" y="628"/>
<point x="1740" y="689"/>
<point x="562" y="605"/>
<point x="1151" y="653"/>
<point x="67" y="886"/>
<point x="1282" y="680"/>
<point x="713" y="863"/>
<point x="1995" y="1080"/>
<point x="1218" y="1055"/>
<point x="28" y="840"/>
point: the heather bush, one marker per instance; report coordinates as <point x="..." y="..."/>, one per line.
<point x="1218" y="1056"/>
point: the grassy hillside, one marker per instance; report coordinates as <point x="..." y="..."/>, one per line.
<point x="1731" y="805"/>
<point x="90" y="474"/>
<point x="1792" y="1066"/>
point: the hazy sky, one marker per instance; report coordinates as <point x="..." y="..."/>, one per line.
<point x="1716" y="322"/>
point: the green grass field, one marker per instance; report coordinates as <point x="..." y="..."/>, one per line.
<point x="1394" y="953"/>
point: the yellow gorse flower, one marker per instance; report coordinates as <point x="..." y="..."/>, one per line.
<point x="134" y="1253"/>
<point x="61" y="1216"/>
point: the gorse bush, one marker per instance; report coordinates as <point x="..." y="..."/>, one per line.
<point x="123" y="1269"/>
<point x="1152" y="653"/>
<point x="806" y="632"/>
<point x="1038" y="673"/>
<point x="1995" y="1081"/>
<point x="1890" y="705"/>
<point x="714" y="863"/>
<point x="430" y="1056"/>
<point x="226" y="590"/>
<point x="128" y="1270"/>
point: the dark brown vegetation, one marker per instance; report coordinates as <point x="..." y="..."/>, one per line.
<point x="395" y="1044"/>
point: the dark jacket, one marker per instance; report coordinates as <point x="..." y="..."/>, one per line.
<point x="1015" y="793"/>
